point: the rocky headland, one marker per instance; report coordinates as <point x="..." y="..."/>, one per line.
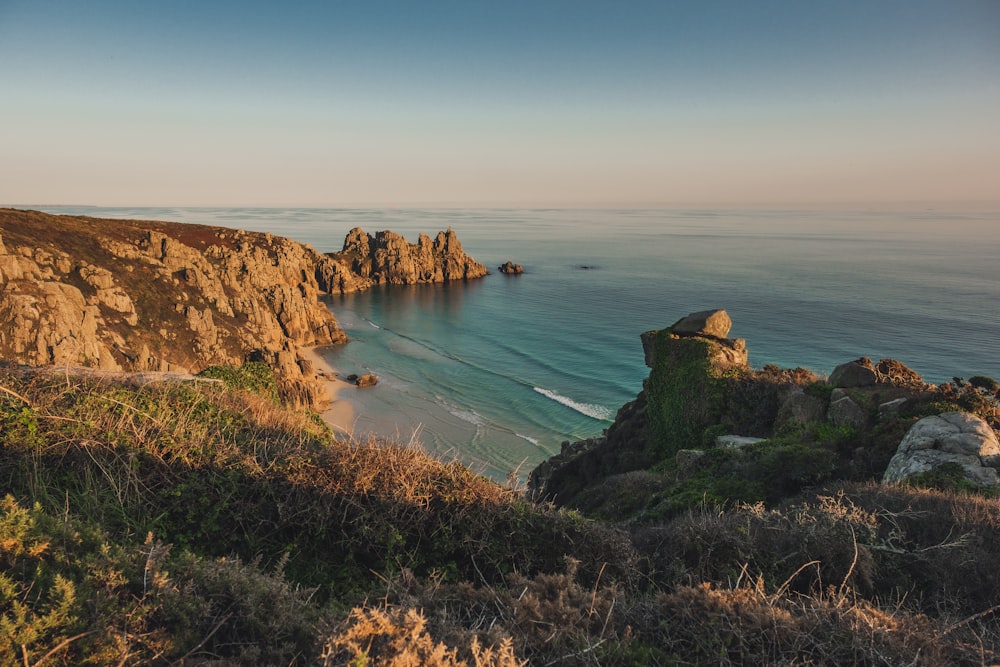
<point x="126" y="295"/>
<point x="386" y="258"/>
<point x="706" y="426"/>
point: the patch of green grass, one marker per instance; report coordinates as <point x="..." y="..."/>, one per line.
<point x="253" y="376"/>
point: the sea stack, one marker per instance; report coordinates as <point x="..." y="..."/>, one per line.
<point x="510" y="268"/>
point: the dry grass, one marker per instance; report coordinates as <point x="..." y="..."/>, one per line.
<point x="269" y="534"/>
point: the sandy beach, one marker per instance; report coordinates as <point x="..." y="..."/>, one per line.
<point x="340" y="413"/>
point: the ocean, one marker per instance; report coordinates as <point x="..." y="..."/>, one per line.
<point x="498" y="372"/>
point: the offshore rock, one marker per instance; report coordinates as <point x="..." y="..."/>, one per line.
<point x="510" y="268"/>
<point x="157" y="296"/>
<point x="389" y="259"/>
<point x="951" y="437"/>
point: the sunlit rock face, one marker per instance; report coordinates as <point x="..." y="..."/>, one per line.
<point x="157" y="296"/>
<point x="386" y="258"/>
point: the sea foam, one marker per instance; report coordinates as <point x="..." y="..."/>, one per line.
<point x="598" y="412"/>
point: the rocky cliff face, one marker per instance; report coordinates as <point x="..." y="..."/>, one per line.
<point x="157" y="296"/>
<point x="389" y="259"/>
<point x="708" y="428"/>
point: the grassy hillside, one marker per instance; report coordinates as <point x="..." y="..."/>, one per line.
<point x="188" y="523"/>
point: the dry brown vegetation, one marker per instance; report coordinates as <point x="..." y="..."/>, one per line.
<point x="191" y="523"/>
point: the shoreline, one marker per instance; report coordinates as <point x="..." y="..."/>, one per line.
<point x="339" y="414"/>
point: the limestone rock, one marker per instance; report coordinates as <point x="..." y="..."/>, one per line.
<point x="704" y="323"/>
<point x="952" y="437"/>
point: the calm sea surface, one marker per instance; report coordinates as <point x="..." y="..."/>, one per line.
<point x="498" y="372"/>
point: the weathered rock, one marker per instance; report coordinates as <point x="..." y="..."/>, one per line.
<point x="510" y="268"/>
<point x="952" y="437"/>
<point x="704" y="323"/>
<point x="858" y="373"/>
<point x="388" y="258"/>
<point x="203" y="297"/>
<point x="367" y="380"/>
<point x="846" y="412"/>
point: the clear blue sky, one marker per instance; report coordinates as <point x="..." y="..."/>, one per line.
<point x="502" y="103"/>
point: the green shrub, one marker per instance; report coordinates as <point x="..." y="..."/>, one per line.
<point x="253" y="376"/>
<point x="947" y="477"/>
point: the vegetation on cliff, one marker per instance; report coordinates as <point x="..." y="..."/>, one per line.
<point x="198" y="521"/>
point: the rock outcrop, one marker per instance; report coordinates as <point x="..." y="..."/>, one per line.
<point x="697" y="426"/>
<point x="863" y="373"/>
<point x="510" y="268"/>
<point x="157" y="296"/>
<point x="389" y="259"/>
<point x="952" y="437"/>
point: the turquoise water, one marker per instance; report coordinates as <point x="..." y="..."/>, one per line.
<point x="498" y="372"/>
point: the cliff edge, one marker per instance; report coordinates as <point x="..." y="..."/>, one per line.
<point x="159" y="296"/>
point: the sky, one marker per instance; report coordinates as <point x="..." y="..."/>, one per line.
<point x="500" y="103"/>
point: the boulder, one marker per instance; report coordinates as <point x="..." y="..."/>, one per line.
<point x="704" y="323"/>
<point x="366" y="380"/>
<point x="951" y="437"/>
<point x="845" y="412"/>
<point x="859" y="373"/>
<point x="510" y="268"/>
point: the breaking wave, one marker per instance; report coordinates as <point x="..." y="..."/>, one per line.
<point x="598" y="412"/>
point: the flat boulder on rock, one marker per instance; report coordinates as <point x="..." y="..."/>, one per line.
<point x="951" y="437"/>
<point x="704" y="323"/>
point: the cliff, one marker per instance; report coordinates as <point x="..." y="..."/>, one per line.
<point x="159" y="296"/>
<point x="389" y="259"/>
